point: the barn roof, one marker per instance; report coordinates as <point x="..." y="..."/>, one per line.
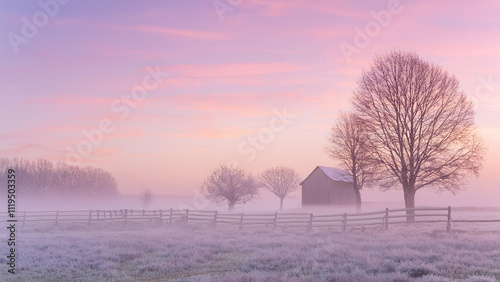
<point x="333" y="173"/>
<point x="336" y="174"/>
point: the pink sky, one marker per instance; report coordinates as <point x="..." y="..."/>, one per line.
<point x="228" y="77"/>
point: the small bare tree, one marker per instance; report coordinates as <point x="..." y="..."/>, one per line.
<point x="281" y="181"/>
<point x="146" y="198"/>
<point x="231" y="184"/>
<point x="348" y="145"/>
<point x="420" y="125"/>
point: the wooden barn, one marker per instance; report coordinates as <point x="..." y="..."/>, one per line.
<point x="328" y="186"/>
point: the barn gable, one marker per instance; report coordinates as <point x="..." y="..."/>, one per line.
<point x="333" y="173"/>
<point x="327" y="186"/>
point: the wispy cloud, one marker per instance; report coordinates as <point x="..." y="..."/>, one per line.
<point x="210" y="133"/>
<point x="70" y="100"/>
<point x="272" y="8"/>
<point x="195" y="34"/>
<point x="231" y="70"/>
<point x="144" y="28"/>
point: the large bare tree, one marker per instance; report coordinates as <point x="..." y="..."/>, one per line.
<point x="230" y="184"/>
<point x="281" y="181"/>
<point x="420" y="125"/>
<point x="348" y="145"/>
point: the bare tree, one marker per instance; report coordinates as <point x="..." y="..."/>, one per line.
<point x="43" y="175"/>
<point x="25" y="183"/>
<point x="4" y="167"/>
<point x="281" y="181"/>
<point x="231" y="184"/>
<point x="146" y="198"/>
<point x="348" y="145"/>
<point x="420" y="125"/>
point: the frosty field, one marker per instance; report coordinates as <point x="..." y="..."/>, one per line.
<point x="153" y="252"/>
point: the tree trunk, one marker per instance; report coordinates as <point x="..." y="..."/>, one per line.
<point x="231" y="206"/>
<point x="357" y="192"/>
<point x="281" y="204"/>
<point x="409" y="194"/>
<point x="358" y="200"/>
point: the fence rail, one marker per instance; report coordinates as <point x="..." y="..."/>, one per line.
<point x="275" y="220"/>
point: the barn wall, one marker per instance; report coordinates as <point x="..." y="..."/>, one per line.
<point x="319" y="189"/>
<point x="315" y="189"/>
<point x="344" y="193"/>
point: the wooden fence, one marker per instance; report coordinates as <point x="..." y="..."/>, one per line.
<point x="308" y="221"/>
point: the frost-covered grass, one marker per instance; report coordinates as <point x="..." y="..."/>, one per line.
<point x="151" y="252"/>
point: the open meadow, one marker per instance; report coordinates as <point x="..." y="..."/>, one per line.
<point x="150" y="251"/>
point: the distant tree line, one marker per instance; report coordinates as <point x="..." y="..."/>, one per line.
<point x="43" y="177"/>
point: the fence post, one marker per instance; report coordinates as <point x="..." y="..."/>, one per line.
<point x="448" y="225"/>
<point x="386" y="219"/>
<point x="125" y="215"/>
<point x="171" y="214"/>
<point x="90" y="215"/>
<point x="24" y="217"/>
<point x="187" y="216"/>
<point x="309" y="228"/>
<point x="275" y="220"/>
<point x="344" y="222"/>
<point x="241" y="221"/>
<point x="161" y="215"/>
<point x="57" y="216"/>
<point x="97" y="215"/>
<point x="215" y="219"/>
